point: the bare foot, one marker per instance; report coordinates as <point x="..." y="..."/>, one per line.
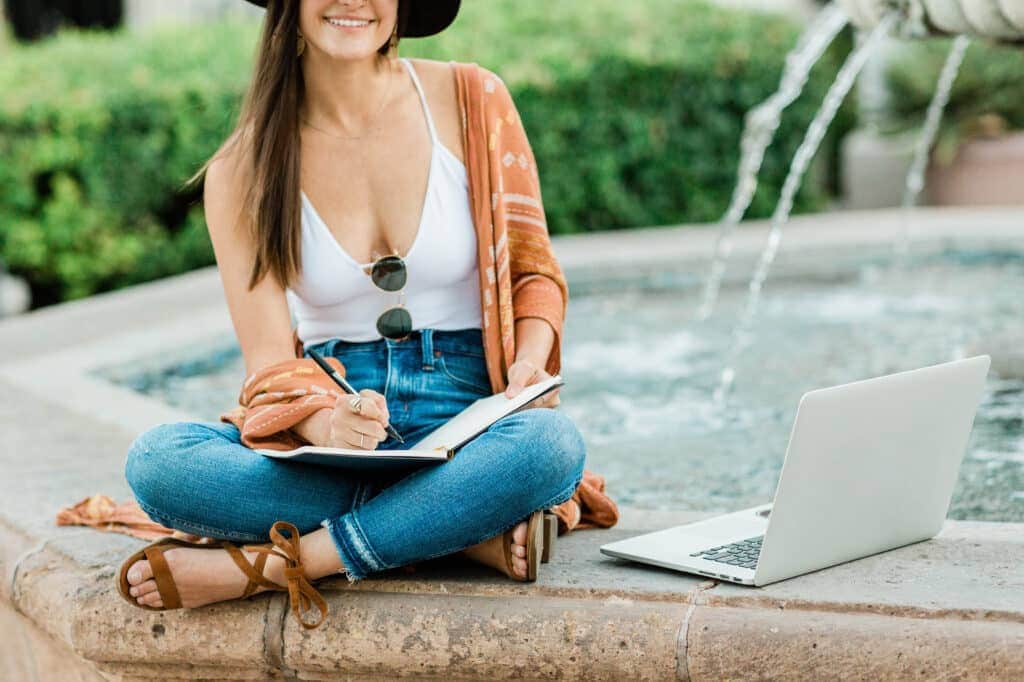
<point x="202" y="576"/>
<point x="518" y="548"/>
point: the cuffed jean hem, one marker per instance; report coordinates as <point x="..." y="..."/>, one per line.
<point x="360" y="559"/>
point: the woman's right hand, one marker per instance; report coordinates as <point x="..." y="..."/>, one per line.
<point x="359" y="431"/>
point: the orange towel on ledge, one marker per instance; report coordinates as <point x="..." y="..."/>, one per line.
<point x="588" y="507"/>
<point x="102" y="513"/>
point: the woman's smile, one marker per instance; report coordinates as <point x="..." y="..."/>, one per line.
<point x="347" y="24"/>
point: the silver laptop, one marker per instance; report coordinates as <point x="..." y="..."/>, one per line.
<point x="870" y="466"/>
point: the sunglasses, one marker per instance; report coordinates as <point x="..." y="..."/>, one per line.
<point x="388" y="273"/>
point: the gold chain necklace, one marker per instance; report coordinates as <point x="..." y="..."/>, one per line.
<point x="384" y="101"/>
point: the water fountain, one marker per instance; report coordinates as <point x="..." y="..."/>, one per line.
<point x="915" y="176"/>
<point x="804" y="153"/>
<point x="760" y="126"/>
<point x="999" y="20"/>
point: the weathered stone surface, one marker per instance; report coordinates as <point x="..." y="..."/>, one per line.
<point x="227" y="634"/>
<point x="743" y="643"/>
<point x="578" y="569"/>
<point x="82" y="609"/>
<point x="141" y="670"/>
<point x="14" y="545"/>
<point x="28" y="653"/>
<point x="532" y="636"/>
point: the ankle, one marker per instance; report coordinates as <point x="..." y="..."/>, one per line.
<point x="320" y="556"/>
<point x="273" y="569"/>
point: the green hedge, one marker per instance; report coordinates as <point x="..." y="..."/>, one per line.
<point x="634" y="111"/>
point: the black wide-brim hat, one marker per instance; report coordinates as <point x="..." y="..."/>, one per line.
<point x="426" y="17"/>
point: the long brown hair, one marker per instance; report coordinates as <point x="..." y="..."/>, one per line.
<point x="268" y="132"/>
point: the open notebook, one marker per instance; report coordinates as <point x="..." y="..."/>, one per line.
<point x="438" y="446"/>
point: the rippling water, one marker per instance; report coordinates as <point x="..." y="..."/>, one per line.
<point x="640" y="373"/>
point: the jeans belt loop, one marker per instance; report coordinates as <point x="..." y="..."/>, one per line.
<point x="427" y="343"/>
<point x="328" y="350"/>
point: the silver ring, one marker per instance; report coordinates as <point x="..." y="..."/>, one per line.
<point x="356" y="403"/>
<point x="360" y="440"/>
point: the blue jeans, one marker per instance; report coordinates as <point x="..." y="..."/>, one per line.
<point x="197" y="476"/>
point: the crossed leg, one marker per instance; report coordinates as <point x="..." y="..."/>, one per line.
<point x="188" y="475"/>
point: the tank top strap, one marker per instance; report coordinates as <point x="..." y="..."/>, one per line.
<point x="423" y="98"/>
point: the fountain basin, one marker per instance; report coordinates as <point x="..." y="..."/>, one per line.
<point x="952" y="605"/>
<point x="640" y="370"/>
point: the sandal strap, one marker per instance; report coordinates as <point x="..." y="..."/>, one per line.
<point x="258" y="566"/>
<point x="495" y="553"/>
<point x="255" y="574"/>
<point x="162" y="575"/>
<point x="301" y="592"/>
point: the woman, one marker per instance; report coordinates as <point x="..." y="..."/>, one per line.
<point x="318" y="199"/>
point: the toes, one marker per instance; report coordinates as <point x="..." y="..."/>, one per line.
<point x="519" y="551"/>
<point x="139" y="572"/>
<point x="519" y="565"/>
<point x="144" y="588"/>
<point x="151" y="599"/>
<point x="519" y="534"/>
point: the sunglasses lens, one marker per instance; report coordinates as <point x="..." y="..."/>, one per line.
<point x="395" y="323"/>
<point x="389" y="273"/>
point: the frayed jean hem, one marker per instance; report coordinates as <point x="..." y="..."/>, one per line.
<point x="354" y="550"/>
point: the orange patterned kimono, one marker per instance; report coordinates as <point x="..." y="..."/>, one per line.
<point x="519" y="277"/>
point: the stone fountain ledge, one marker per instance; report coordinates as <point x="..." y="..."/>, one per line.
<point x="949" y="607"/>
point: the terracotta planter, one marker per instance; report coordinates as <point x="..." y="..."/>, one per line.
<point x="985" y="171"/>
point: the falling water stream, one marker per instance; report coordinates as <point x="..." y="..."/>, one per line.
<point x="804" y="153"/>
<point x="760" y="126"/>
<point x="915" y="176"/>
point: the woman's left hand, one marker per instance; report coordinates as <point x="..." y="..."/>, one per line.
<point x="524" y="373"/>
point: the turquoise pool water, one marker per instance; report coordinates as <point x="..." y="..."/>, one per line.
<point x="640" y="374"/>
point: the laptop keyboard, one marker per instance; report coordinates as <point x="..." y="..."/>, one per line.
<point x="743" y="553"/>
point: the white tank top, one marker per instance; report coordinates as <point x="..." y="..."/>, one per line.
<point x="334" y="296"/>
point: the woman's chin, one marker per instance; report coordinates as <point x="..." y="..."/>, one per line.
<point x="348" y="50"/>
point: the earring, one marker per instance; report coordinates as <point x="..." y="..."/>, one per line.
<point x="301" y="45"/>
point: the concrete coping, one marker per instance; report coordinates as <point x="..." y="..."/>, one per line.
<point x="952" y="606"/>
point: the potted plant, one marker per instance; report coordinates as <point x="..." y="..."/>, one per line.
<point x="978" y="156"/>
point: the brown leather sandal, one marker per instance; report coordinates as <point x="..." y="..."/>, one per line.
<point x="550" y="535"/>
<point x="497" y="552"/>
<point x="299" y="589"/>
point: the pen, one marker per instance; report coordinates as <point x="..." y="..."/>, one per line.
<point x="347" y="387"/>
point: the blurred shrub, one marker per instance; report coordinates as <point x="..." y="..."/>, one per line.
<point x="634" y="112"/>
<point x="97" y="134"/>
<point x="987" y="96"/>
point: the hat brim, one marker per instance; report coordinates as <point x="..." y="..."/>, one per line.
<point x="425" y="17"/>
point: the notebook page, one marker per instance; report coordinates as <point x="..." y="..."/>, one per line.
<point x="481" y="414"/>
